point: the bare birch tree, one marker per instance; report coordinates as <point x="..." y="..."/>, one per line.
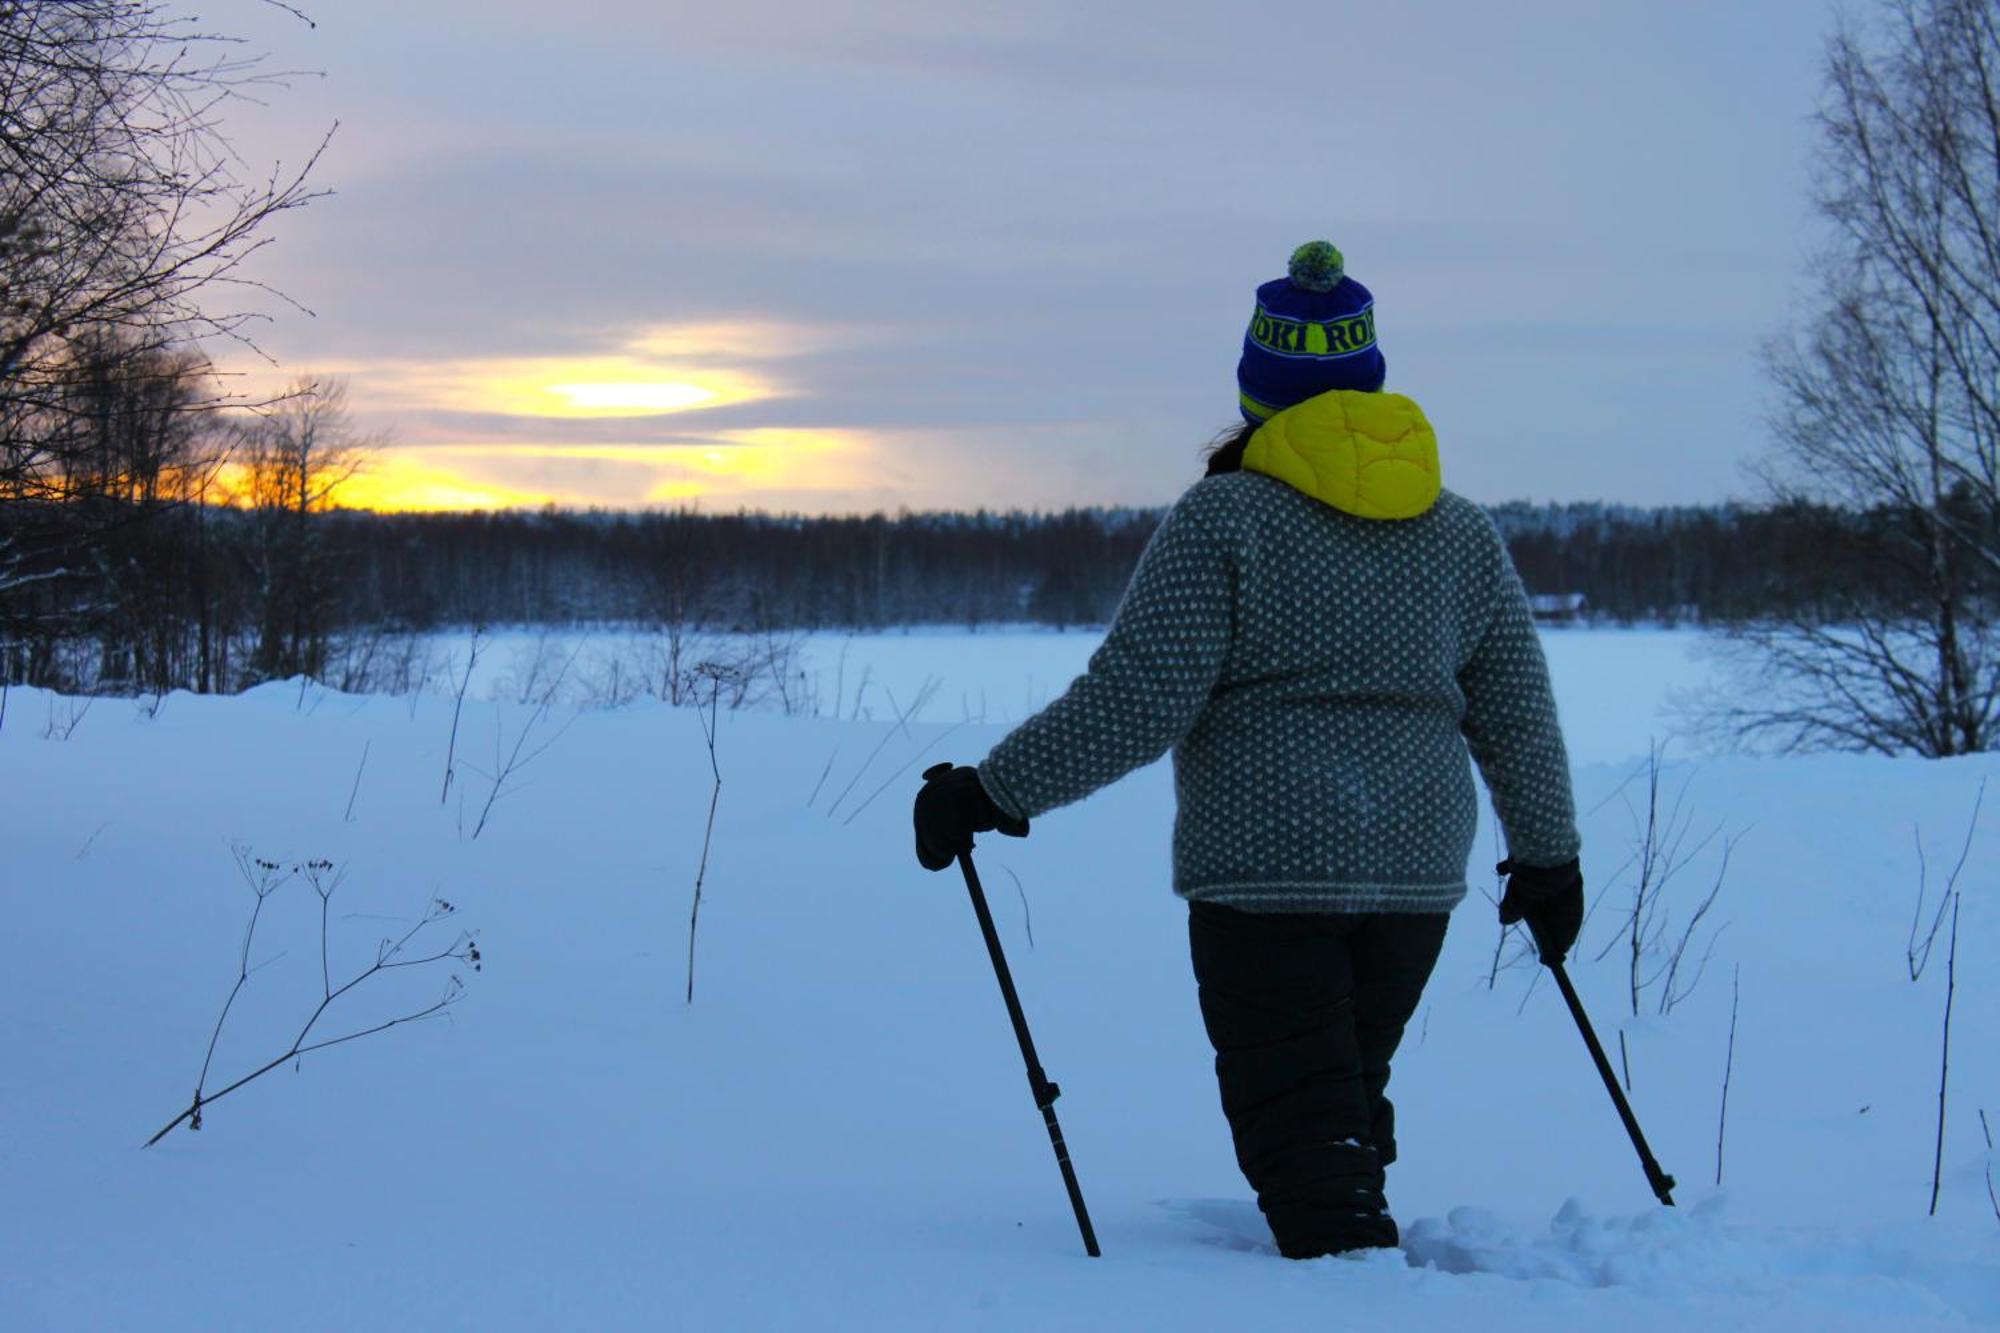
<point x="1890" y="402"/>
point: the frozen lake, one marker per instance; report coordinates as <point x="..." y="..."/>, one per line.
<point x="1615" y="686"/>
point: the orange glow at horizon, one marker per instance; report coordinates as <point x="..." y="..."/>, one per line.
<point x="434" y="413"/>
<point x="396" y="481"/>
<point x="395" y="484"/>
<point x="729" y="467"/>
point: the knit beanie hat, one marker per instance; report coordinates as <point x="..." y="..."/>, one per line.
<point x="1313" y="331"/>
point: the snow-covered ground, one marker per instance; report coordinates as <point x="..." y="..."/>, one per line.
<point x="836" y="1133"/>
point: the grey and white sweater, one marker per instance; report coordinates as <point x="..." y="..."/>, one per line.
<point x="1320" y="679"/>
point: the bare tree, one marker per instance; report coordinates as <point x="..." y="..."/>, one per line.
<point x="123" y="208"/>
<point x="1657" y="956"/>
<point x="126" y="222"/>
<point x="98" y="541"/>
<point x="1890" y="401"/>
<point x="291" y="461"/>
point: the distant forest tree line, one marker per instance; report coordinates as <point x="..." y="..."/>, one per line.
<point x="755" y="572"/>
<point x="219" y="563"/>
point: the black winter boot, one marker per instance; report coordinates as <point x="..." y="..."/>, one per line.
<point x="1325" y="1198"/>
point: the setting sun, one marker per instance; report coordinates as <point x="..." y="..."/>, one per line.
<point x="653" y="397"/>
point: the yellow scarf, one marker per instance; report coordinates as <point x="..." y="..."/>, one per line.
<point x="1368" y="454"/>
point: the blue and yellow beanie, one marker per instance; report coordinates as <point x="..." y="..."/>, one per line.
<point x="1313" y="331"/>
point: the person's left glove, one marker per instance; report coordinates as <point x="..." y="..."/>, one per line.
<point x="1549" y="899"/>
<point x="951" y="807"/>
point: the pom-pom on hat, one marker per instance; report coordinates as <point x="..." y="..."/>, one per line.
<point x="1313" y="331"/>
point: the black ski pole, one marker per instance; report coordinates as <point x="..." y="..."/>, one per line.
<point x="1045" y="1091"/>
<point x="1662" y="1183"/>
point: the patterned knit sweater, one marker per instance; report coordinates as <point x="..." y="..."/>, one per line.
<point x="1320" y="679"/>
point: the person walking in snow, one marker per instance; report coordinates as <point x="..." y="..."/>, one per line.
<point x="1321" y="635"/>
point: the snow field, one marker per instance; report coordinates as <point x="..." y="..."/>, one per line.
<point x="837" y="1133"/>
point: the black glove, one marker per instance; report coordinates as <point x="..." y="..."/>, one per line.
<point x="951" y="808"/>
<point x="1549" y="899"/>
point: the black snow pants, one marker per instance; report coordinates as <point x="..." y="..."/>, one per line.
<point x="1304" y="1011"/>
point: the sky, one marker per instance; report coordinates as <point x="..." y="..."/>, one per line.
<point x="839" y="257"/>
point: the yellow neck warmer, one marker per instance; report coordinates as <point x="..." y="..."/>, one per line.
<point x="1372" y="455"/>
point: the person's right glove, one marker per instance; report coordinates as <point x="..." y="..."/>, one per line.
<point x="1549" y="899"/>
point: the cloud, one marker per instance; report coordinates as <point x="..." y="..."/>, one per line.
<point x="936" y="229"/>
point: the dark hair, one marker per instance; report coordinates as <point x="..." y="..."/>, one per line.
<point x="1225" y="451"/>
